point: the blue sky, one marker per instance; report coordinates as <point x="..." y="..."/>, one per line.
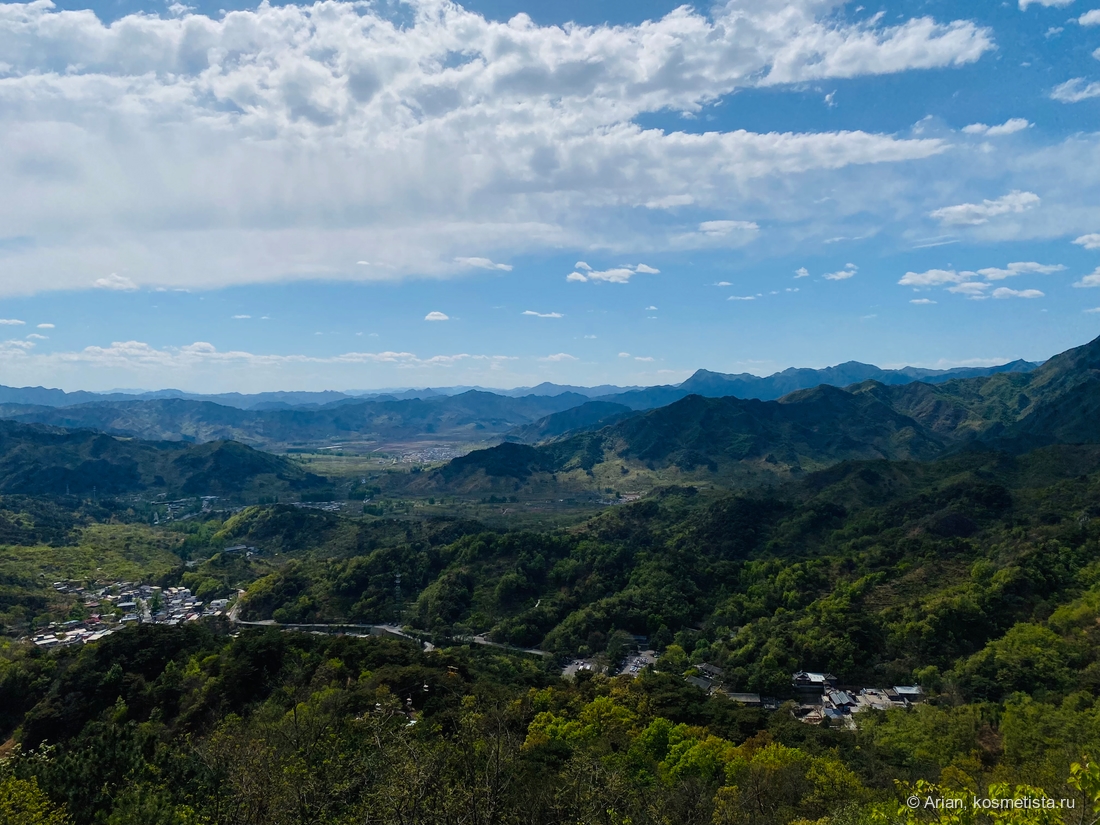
<point x="337" y="196"/>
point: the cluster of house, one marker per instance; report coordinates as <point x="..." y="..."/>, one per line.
<point x="822" y="698"/>
<point x="709" y="677"/>
<point x="177" y="604"/>
<point x="61" y="634"/>
<point x="430" y="455"/>
<point x="819" y="696"/>
<point x="324" y="506"/>
<point x="118" y="604"/>
<point x="244" y="549"/>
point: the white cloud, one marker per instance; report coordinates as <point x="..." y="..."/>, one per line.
<point x="618" y="275"/>
<point x="1090" y="241"/>
<point x="741" y="298"/>
<point x="964" y="280"/>
<point x="1090" y="18"/>
<point x="559" y="356"/>
<point x="643" y="358"/>
<point x="116" y="282"/>
<point x="436" y="316"/>
<point x="15" y="348"/>
<point x="483" y="263"/>
<point x="624" y="354"/>
<point x="670" y="202"/>
<point x="241" y="317"/>
<point x="802" y="272"/>
<point x="1010" y="126"/>
<point x="922" y="301"/>
<point x="1047" y="3"/>
<point x="822" y="51"/>
<point x="504" y="137"/>
<point x="1005" y="292"/>
<point x="1019" y="268"/>
<point x="1075" y="90"/>
<point x="45" y="326"/>
<point x="590" y="336"/>
<point x="971" y="289"/>
<point x="138" y="357"/>
<point x="722" y="228"/>
<point x="723" y="283"/>
<point x="542" y="314"/>
<point x="651" y="309"/>
<point x="1092" y="279"/>
<point x="1096" y="309"/>
<point x="36" y="337"/>
<point x="11" y="322"/>
<point x="934" y="277"/>
<point x="975" y="214"/>
<point x="849" y="271"/>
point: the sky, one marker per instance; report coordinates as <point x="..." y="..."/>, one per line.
<point x="352" y="195"/>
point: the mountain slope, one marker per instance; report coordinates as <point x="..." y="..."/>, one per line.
<point x="591" y="415"/>
<point x="472" y="415"/>
<point x="1055" y="403"/>
<point x="806" y="430"/>
<point x="39" y="460"/>
<point x="744" y="385"/>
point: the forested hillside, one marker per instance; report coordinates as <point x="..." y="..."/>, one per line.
<point x="945" y="538"/>
<point x="737" y="442"/>
<point x="48" y="461"/>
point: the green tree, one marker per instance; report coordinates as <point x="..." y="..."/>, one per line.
<point x="22" y="802"/>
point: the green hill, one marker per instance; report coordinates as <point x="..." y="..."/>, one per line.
<point x="738" y="442"/>
<point x="590" y="415"/>
<point x="37" y="460"/>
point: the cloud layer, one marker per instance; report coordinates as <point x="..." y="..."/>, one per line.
<point x="294" y="141"/>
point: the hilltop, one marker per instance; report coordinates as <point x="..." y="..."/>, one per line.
<point x="37" y="460"/>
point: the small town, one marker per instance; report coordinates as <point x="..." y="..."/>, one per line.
<point x="115" y="605"/>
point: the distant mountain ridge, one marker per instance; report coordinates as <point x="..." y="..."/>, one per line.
<point x="471" y="416"/>
<point x="277" y="420"/>
<point x="702" y="382"/>
<point x="1015" y="408"/>
<point x="713" y="384"/>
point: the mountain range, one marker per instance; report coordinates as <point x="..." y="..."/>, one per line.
<point x="279" y="420"/>
<point x="751" y="440"/>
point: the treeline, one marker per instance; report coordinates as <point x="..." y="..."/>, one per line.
<point x="188" y="725"/>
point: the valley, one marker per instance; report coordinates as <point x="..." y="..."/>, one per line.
<point x="927" y="551"/>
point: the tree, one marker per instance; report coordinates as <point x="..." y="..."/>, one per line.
<point x="22" y="802"/>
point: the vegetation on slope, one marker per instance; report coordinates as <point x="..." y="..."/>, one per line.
<point x="45" y="461"/>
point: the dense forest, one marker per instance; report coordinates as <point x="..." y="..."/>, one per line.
<point x="942" y="539"/>
<point x="192" y="725"/>
<point x="976" y="576"/>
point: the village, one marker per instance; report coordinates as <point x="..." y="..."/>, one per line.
<point x="115" y="605"/>
<point x="819" y="697"/>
